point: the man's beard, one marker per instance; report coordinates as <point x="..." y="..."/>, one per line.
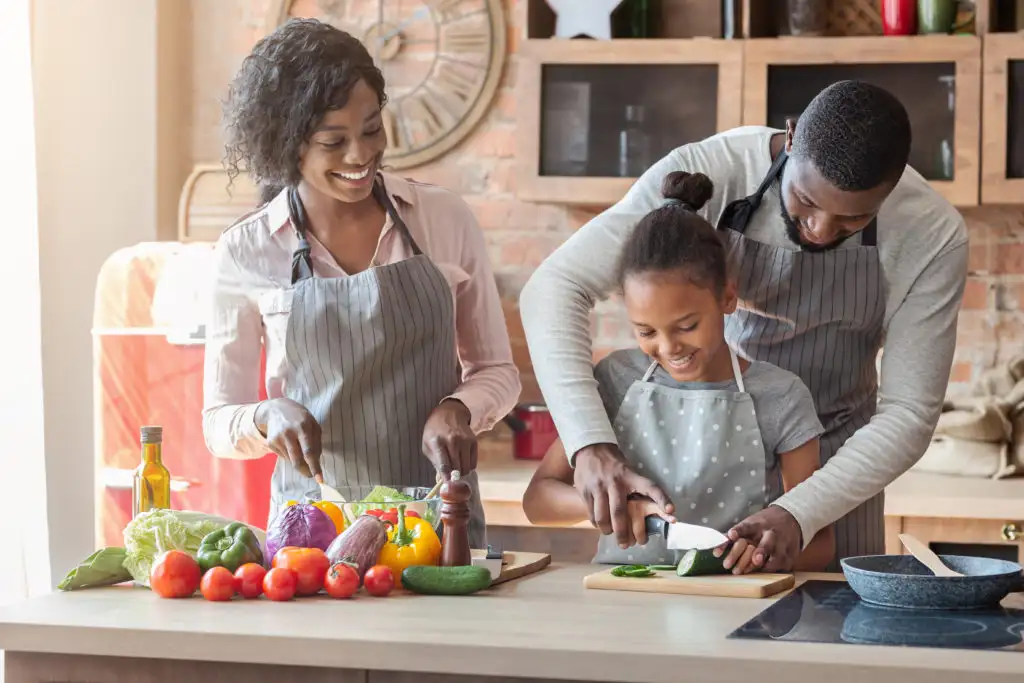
<point x="793" y="230"/>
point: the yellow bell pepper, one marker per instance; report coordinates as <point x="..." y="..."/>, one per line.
<point x="328" y="508"/>
<point x="411" y="542"/>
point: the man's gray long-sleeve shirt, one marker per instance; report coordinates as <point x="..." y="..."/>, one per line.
<point x="922" y="246"/>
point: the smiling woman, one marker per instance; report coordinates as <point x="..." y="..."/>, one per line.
<point x="369" y="292"/>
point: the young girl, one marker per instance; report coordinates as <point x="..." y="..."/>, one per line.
<point x="723" y="436"/>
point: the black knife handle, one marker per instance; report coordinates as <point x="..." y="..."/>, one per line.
<point x="656" y="526"/>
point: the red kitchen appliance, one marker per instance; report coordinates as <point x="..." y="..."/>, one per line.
<point x="533" y="430"/>
<point x="148" y="370"/>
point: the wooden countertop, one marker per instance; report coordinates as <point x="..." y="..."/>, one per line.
<point x="503" y="480"/>
<point x="546" y="626"/>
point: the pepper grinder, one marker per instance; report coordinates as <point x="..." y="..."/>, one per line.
<point x="455" y="495"/>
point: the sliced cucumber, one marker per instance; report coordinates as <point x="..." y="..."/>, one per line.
<point x="699" y="563"/>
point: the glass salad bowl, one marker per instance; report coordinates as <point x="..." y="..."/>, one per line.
<point x="361" y="499"/>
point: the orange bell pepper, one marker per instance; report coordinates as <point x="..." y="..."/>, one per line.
<point x="330" y="509"/>
<point x="411" y="542"/>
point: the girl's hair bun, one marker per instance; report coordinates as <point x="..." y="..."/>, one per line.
<point x="691" y="189"/>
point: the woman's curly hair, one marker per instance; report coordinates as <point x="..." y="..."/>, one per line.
<point x="282" y="92"/>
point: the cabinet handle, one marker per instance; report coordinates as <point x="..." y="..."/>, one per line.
<point x="1011" y="532"/>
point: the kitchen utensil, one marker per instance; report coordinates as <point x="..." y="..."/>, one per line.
<point x="722" y="585"/>
<point x="903" y="581"/>
<point x="926" y="556"/>
<point x="533" y="430"/>
<point x="328" y="492"/>
<point x="683" y="536"/>
<point x="517" y="564"/>
<point x="899" y="17"/>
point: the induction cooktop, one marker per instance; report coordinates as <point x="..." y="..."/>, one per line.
<point x="830" y="612"/>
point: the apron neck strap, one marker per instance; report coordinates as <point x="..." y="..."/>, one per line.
<point x="302" y="262"/>
<point x="737" y="373"/>
<point x="650" y="372"/>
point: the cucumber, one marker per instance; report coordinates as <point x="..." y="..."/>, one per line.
<point x="700" y="562"/>
<point x="428" y="580"/>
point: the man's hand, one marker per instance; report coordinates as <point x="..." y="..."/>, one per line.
<point x="605" y="482"/>
<point x="776" y="535"/>
<point x="448" y="441"/>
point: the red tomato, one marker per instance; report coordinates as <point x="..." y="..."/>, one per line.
<point x="342" y="581"/>
<point x="250" y="580"/>
<point x="175" y="574"/>
<point x="309" y="564"/>
<point x="218" y="584"/>
<point x="412" y="513"/>
<point x="379" y="580"/>
<point x="279" y="584"/>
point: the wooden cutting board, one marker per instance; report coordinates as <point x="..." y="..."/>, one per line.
<point x="515" y="564"/>
<point x="724" y="585"/>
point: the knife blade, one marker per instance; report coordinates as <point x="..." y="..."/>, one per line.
<point x="683" y="536"/>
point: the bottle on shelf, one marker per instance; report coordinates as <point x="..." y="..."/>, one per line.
<point x="634" y="144"/>
<point x="151" y="484"/>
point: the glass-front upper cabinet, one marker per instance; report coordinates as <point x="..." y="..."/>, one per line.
<point x="1002" y="120"/>
<point x="595" y="113"/>
<point x="938" y="79"/>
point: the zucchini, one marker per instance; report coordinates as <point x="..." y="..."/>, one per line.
<point x="430" y="580"/>
<point x="700" y="562"/>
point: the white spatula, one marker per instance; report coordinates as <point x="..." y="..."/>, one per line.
<point x="926" y="557"/>
<point x="328" y="492"/>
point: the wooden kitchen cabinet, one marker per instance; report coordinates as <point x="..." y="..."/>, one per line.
<point x="957" y="515"/>
<point x="595" y="114"/>
<point x="938" y="79"/>
<point x="1002" y="119"/>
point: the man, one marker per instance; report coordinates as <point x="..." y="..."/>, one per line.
<point x="837" y="247"/>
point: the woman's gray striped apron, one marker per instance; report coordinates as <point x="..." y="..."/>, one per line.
<point x="819" y="315"/>
<point x="370" y="356"/>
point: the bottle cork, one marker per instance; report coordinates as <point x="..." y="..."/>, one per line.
<point x="455" y="551"/>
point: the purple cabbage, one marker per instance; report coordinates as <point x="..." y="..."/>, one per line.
<point x="301" y="525"/>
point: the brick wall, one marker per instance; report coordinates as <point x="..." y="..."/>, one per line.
<point x="522" y="234"/>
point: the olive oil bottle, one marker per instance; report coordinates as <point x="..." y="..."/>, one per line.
<point x="151" y="485"/>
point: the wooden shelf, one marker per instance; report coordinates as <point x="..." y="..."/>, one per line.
<point x="602" y="190"/>
<point x="1001" y="182"/>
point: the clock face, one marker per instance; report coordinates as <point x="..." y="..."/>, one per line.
<point x="441" y="59"/>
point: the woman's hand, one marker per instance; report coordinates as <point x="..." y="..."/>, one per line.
<point x="448" y="441"/>
<point x="292" y="432"/>
<point x="639" y="508"/>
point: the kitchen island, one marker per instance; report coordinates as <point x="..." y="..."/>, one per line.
<point x="541" y="627"/>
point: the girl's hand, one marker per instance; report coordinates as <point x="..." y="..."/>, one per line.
<point x="639" y="508"/>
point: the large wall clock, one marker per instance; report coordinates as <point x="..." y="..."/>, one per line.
<point x="442" y="62"/>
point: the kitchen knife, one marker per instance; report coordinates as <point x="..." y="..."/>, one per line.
<point x="683" y="536"/>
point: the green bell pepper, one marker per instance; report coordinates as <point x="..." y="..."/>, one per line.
<point x="230" y="547"/>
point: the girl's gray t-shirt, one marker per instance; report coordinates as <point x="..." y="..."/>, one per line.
<point x="784" y="407"/>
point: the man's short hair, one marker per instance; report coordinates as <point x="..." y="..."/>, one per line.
<point x="856" y="135"/>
